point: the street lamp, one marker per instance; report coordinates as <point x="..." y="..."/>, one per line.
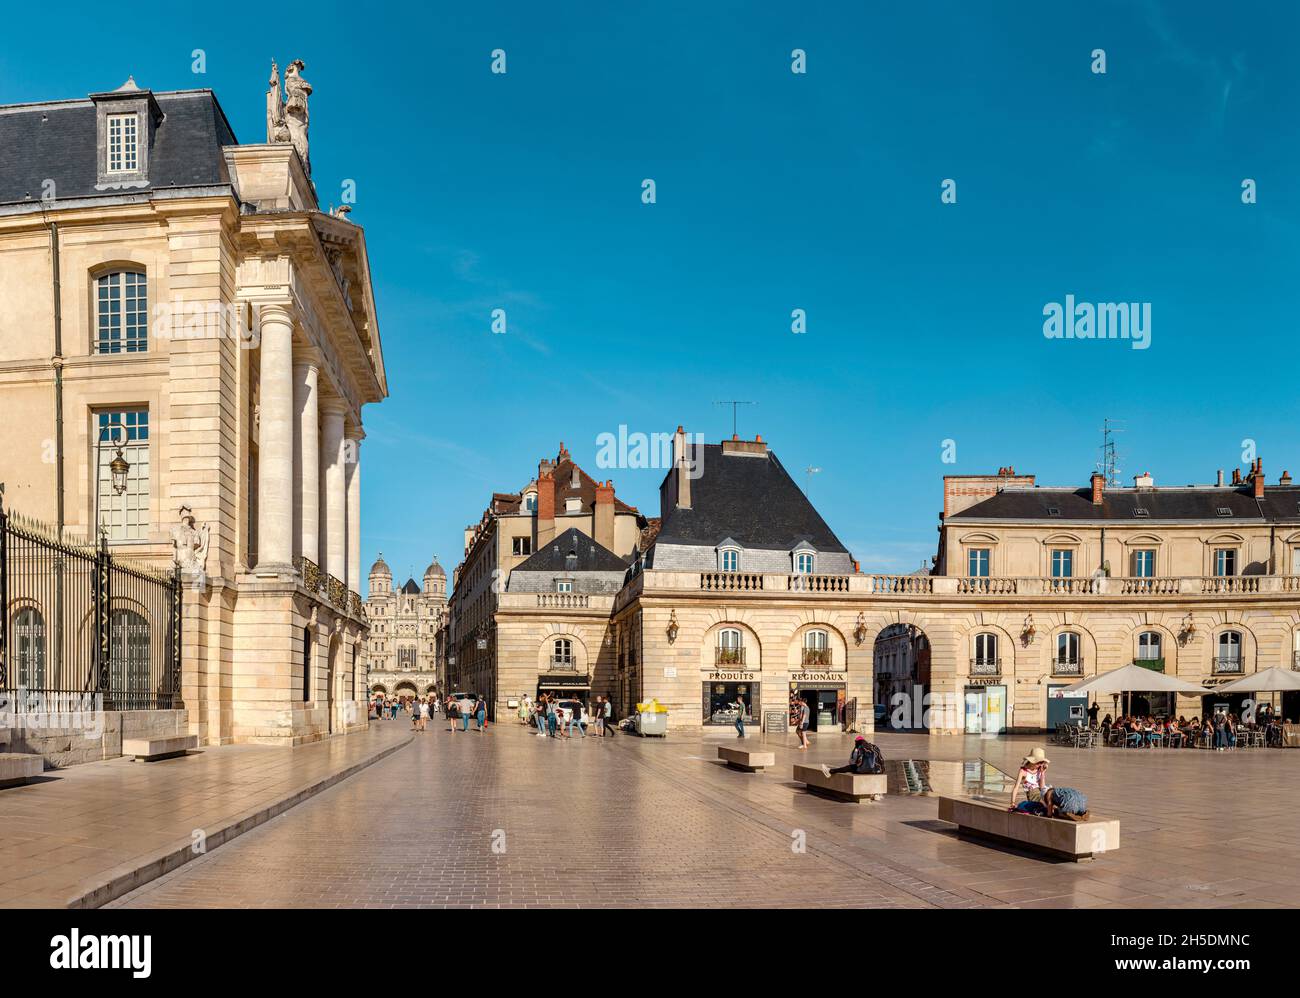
<point x="118" y="468"/>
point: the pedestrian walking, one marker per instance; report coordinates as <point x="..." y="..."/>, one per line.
<point x="804" y="715"/>
<point x="740" y="717"/>
<point x="453" y="710"/>
<point x="551" y="721"/>
<point x="599" y="711"/>
<point x="415" y="715"/>
<point x="575" y="719"/>
<point x="610" y="726"/>
<point x="480" y="714"/>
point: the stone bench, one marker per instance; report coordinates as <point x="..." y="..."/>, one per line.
<point x="750" y="762"/>
<point x="842" y="786"/>
<point x="1060" y="837"/>
<point x="149" y="749"/>
<point x="19" y="767"/>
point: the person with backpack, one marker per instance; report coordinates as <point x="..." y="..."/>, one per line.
<point x="453" y="712"/>
<point x="865" y="759"/>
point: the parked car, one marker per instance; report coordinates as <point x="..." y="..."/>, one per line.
<point x="564" y="709"/>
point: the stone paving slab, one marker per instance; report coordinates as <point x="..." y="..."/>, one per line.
<point x="661" y="823"/>
<point x="81" y="836"/>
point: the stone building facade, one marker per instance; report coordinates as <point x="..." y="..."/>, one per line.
<point x="169" y="290"/>
<point x="513" y="596"/>
<point x="401" y="649"/>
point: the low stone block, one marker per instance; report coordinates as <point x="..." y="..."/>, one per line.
<point x="19" y="767"/>
<point x="1060" y="837"/>
<point x="843" y="786"/>
<point x="750" y="762"/>
<point x="149" y="749"/>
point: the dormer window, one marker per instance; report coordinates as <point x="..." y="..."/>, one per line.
<point x="530" y="502"/>
<point x="729" y="560"/>
<point x="123" y="143"/>
<point x="803" y="563"/>
<point x="573" y="504"/>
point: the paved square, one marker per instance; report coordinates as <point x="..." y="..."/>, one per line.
<point x="508" y="819"/>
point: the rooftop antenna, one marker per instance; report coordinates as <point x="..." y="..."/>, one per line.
<point x="735" y="404"/>
<point x="1108" y="465"/>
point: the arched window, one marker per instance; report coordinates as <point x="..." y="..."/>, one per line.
<point x="985" y="660"/>
<point x="29" y="648"/>
<point x="816" y="648"/>
<point x="121" y="312"/>
<point x="1067" y="654"/>
<point x="1228" y="658"/>
<point x="128" y="670"/>
<point x="731" y="647"/>
<point x="530" y="502"/>
<point x="803" y="563"/>
<point x="562" y="653"/>
<point x="1150" y="647"/>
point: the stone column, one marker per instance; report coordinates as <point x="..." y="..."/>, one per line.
<point x="306" y="490"/>
<point x="334" y="559"/>
<point x="355" y="436"/>
<point x="275" y="442"/>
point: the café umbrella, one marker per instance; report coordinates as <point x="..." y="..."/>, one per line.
<point x="1265" y="681"/>
<point x="1134" y="679"/>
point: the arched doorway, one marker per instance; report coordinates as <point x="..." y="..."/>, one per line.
<point x="901" y="666"/>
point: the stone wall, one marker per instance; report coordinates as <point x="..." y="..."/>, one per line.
<point x="98" y="737"/>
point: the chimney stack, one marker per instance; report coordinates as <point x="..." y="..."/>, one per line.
<point x="1236" y="476"/>
<point x="603" y="517"/>
<point x="681" y="470"/>
<point x="1285" y="480"/>
<point x="1098" y="487"/>
<point x="1257" y="477"/>
<point x="545" y="504"/>
<point x="1220" y="478"/>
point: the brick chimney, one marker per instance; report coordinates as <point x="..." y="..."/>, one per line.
<point x="545" y="504"/>
<point x="1285" y="480"/>
<point x="1098" y="487"/>
<point x="1257" y="477"/>
<point x="603" y="518"/>
<point x="681" y="470"/>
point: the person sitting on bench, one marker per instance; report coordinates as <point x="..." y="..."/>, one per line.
<point x="865" y="759"/>
<point x="1065" y="802"/>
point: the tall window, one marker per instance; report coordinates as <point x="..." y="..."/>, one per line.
<point x="1229" y="656"/>
<point x="306" y="664"/>
<point x="977" y="563"/>
<point x="731" y="647"/>
<point x="1149" y="646"/>
<point x="29" y="647"/>
<point x="128" y="672"/>
<point x="803" y="563"/>
<point x="729" y="560"/>
<point x="563" y="651"/>
<point x="1225" y="562"/>
<point x="816" y="648"/>
<point x="1144" y="564"/>
<point x="1067" y="648"/>
<point x="123" y="143"/>
<point x="1062" y="563"/>
<point x="530" y="502"/>
<point x="125" y="516"/>
<point x="121" y="312"/>
<point x="986" y="653"/>
<point x="522" y="545"/>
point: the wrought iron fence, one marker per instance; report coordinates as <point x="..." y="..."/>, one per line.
<point x="76" y="621"/>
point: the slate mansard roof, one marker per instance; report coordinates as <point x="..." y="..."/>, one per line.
<point x="591" y="557"/>
<point x="57" y="141"/>
<point x="749" y="499"/>
<point x="1190" y="503"/>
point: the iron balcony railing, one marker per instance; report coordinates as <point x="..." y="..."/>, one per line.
<point x="728" y="656"/>
<point x="1067" y="667"/>
<point x="986" y="666"/>
<point x="816" y="656"/>
<point x="1227" y="666"/>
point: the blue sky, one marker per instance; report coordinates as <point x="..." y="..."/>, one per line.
<point x="778" y="191"/>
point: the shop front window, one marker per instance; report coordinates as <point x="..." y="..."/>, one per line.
<point x="723" y="702"/>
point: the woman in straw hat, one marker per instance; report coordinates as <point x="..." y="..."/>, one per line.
<point x="1032" y="776"/>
